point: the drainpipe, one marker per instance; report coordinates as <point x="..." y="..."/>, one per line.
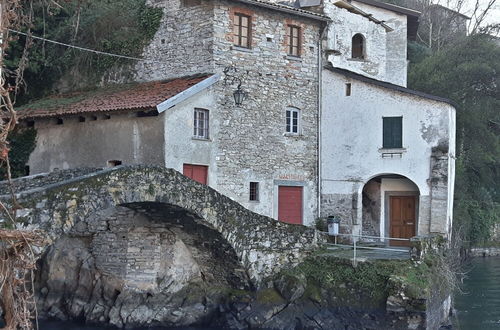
<point x="320" y="107"/>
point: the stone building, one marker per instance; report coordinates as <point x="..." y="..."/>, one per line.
<point x="319" y="77"/>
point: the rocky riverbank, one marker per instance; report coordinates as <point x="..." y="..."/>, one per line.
<point x="322" y="292"/>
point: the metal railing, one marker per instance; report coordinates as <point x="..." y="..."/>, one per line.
<point x="355" y="245"/>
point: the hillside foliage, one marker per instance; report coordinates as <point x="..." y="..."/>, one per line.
<point x="121" y="27"/>
<point x="466" y="72"/>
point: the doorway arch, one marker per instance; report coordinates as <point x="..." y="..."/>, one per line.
<point x="390" y="208"/>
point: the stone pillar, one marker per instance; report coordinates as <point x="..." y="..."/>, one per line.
<point x="439" y="191"/>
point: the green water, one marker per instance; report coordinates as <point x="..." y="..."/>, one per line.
<point x="479" y="307"/>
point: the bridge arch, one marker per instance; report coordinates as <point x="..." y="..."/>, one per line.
<point x="261" y="244"/>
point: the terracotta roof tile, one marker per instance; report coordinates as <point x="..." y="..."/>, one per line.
<point x="110" y="98"/>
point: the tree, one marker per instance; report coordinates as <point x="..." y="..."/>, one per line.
<point x="467" y="73"/>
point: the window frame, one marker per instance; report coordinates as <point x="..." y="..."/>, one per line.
<point x="205" y="130"/>
<point x="392" y="134"/>
<point x="291" y="38"/>
<point x="253" y="191"/>
<point x="237" y="35"/>
<point x="289" y="126"/>
<point x="362" y="55"/>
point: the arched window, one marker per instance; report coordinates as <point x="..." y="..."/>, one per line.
<point x="358" y="46"/>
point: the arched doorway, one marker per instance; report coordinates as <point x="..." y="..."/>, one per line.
<point x="390" y="209"/>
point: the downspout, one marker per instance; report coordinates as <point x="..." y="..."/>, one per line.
<point x="320" y="109"/>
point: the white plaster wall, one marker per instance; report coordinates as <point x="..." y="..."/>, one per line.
<point x="385" y="51"/>
<point x="396" y="42"/>
<point x="351" y="136"/>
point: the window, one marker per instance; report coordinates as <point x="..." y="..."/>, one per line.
<point x="392" y="132"/>
<point x="254" y="191"/>
<point x="201" y="124"/>
<point x="358" y="46"/>
<point x="241" y="30"/>
<point x="348" y="89"/>
<point x="113" y="163"/>
<point x="292" y="120"/>
<point x="293" y="40"/>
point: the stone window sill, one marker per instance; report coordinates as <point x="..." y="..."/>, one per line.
<point x="357" y="59"/>
<point x="242" y="49"/>
<point x="293" y="135"/>
<point x="200" y="139"/>
<point x="294" y="58"/>
<point x="392" y="152"/>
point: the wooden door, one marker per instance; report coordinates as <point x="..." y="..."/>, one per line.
<point x="290" y="204"/>
<point x="198" y="173"/>
<point x="402" y="218"/>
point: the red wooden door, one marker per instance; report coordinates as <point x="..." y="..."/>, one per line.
<point x="290" y="204"/>
<point x="198" y="173"/>
<point x="402" y="218"/>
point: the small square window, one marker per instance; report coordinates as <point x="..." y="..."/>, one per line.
<point x="254" y="191"/>
<point x="392" y="132"/>
<point x="242" y="30"/>
<point x="201" y="124"/>
<point x="292" y="120"/>
<point x="293" y="40"/>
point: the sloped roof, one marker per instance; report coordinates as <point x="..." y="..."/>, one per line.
<point x="387" y="85"/>
<point x="121" y="97"/>
<point x="286" y="9"/>
<point x="412" y="15"/>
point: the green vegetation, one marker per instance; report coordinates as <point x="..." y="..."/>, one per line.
<point x="370" y="279"/>
<point x="22" y="143"/>
<point x="467" y="73"/>
<point x="116" y="26"/>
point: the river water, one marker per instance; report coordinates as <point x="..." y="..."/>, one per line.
<point x="479" y="307"/>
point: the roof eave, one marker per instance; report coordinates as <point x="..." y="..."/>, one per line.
<point x="284" y="9"/>
<point x="387" y="85"/>
<point x="191" y="91"/>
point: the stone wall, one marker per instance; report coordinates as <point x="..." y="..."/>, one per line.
<point x="183" y="44"/>
<point x="262" y="244"/>
<point x="252" y="143"/>
<point x="44" y="179"/>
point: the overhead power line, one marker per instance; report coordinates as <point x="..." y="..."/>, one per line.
<point x="80" y="48"/>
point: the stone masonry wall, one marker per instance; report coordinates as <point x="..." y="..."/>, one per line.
<point x="262" y="245"/>
<point x="183" y="43"/>
<point x="252" y="142"/>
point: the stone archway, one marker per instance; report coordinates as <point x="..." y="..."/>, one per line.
<point x="150" y="257"/>
<point x="390" y="208"/>
<point x="263" y="246"/>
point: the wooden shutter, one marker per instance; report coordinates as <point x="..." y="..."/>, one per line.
<point x="198" y="173"/>
<point x="392" y="132"/>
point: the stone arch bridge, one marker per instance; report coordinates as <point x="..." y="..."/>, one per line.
<point x="62" y="204"/>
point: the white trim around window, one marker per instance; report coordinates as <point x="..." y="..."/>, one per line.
<point x="292" y="121"/>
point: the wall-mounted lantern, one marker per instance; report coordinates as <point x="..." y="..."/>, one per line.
<point x="230" y="78"/>
<point x="239" y="95"/>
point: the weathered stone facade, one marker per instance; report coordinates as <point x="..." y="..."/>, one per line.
<point x="248" y="143"/>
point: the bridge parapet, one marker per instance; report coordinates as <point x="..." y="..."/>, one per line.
<point x="262" y="244"/>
